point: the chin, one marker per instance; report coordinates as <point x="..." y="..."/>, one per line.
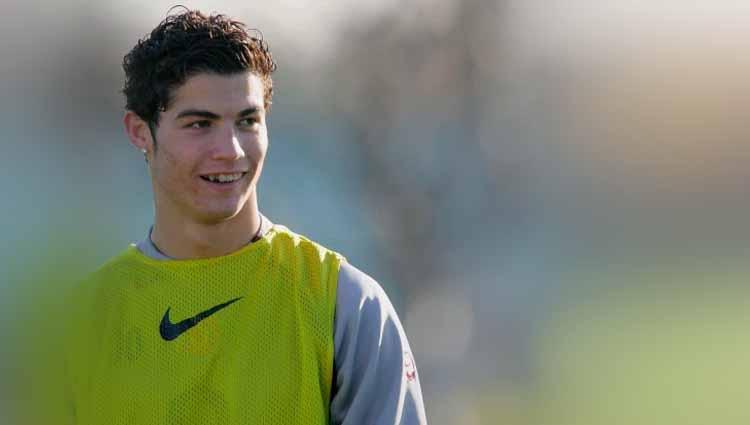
<point x="218" y="215"/>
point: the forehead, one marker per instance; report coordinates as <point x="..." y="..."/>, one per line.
<point x="221" y="94"/>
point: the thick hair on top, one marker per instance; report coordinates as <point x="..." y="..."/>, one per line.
<point x="186" y="44"/>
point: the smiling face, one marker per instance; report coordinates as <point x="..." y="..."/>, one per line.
<point x="210" y="147"/>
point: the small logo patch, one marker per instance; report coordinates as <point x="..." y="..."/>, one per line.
<point x="409" y="369"/>
<point x="170" y="331"/>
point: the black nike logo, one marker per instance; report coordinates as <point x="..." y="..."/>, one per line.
<point x="170" y="331"/>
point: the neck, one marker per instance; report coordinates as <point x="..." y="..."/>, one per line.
<point x="182" y="238"/>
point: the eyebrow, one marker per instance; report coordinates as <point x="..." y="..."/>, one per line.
<point x="249" y="111"/>
<point x="197" y="113"/>
<point x="210" y="115"/>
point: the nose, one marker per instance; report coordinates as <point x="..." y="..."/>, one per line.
<point x="228" y="145"/>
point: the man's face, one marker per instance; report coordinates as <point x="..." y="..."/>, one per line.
<point x="210" y="147"/>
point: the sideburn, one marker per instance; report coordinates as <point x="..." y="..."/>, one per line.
<point x="152" y="129"/>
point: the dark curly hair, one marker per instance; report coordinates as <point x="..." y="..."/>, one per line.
<point x="186" y="44"/>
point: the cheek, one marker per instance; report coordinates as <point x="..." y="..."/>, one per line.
<point x="256" y="149"/>
<point x="173" y="170"/>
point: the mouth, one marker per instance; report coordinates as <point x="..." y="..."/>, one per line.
<point x="223" y="178"/>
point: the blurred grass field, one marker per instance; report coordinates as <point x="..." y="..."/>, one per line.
<point x="656" y="346"/>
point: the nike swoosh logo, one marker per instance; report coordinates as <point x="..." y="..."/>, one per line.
<point x="170" y="331"/>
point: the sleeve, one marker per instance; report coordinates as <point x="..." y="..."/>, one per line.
<point x="375" y="378"/>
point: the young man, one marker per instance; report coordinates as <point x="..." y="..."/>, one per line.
<point x="218" y="315"/>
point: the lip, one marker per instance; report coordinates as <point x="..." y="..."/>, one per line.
<point x="223" y="187"/>
<point x="213" y="173"/>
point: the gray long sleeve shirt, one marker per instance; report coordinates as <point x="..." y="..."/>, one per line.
<point x="375" y="378"/>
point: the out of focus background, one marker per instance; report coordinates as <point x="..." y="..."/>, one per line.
<point x="553" y="193"/>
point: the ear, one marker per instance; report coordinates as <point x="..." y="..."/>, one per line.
<point x="138" y="132"/>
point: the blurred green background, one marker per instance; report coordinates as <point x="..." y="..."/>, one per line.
<point x="553" y="193"/>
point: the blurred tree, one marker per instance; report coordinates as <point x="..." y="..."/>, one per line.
<point x="418" y="89"/>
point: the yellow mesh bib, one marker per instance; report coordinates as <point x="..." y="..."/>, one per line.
<point x="245" y="338"/>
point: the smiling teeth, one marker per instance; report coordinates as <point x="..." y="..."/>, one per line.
<point x="223" y="178"/>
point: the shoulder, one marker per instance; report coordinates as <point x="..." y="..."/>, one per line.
<point x="363" y="309"/>
<point x="89" y="298"/>
<point x="126" y="258"/>
<point x="357" y="287"/>
<point x="281" y="237"/>
<point x="122" y="260"/>
<point x="107" y="279"/>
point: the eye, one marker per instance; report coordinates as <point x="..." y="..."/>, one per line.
<point x="247" y="122"/>
<point x="199" y="124"/>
